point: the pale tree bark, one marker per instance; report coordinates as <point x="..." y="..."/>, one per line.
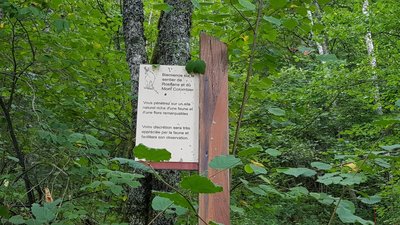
<point x="323" y="45"/>
<point x="369" y="42"/>
<point x="172" y="48"/>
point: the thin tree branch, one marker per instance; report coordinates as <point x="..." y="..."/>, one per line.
<point x="249" y="75"/>
<point x="18" y="152"/>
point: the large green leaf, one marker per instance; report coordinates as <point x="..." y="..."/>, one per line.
<point x="199" y="184"/>
<point x="321" y="165"/>
<point x="391" y="147"/>
<point x="151" y="154"/>
<point x="42" y="214"/>
<point x="161" y="203"/>
<point x="370" y="200"/>
<point x="273" y="152"/>
<point x="18" y="219"/>
<point x="273" y="20"/>
<point x="298" y="172"/>
<point x="224" y="162"/>
<point x="345" y="212"/>
<point x="176" y="198"/>
<point x="247" y="5"/>
<point x="276" y="111"/>
<point x="329" y="178"/>
<point x="397" y="103"/>
<point x="250" y="151"/>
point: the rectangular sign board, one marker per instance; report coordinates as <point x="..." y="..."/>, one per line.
<point x="168" y="111"/>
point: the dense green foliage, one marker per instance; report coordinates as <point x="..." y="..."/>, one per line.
<point x="313" y="146"/>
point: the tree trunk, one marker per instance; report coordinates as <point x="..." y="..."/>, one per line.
<point x="172" y="48"/>
<point x="137" y="206"/>
<point x="321" y="46"/>
<point x="369" y="42"/>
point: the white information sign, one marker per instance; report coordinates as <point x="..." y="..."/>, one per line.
<point x="168" y="111"/>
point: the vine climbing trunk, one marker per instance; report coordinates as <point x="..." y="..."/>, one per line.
<point x="172" y="48"/>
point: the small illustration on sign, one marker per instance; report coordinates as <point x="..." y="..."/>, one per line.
<point x="150" y="78"/>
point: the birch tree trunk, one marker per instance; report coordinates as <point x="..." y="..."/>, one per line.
<point x="369" y="42"/>
<point x="321" y="46"/>
<point x="172" y="48"/>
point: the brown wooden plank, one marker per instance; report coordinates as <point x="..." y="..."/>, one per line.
<point x="174" y="165"/>
<point x="214" y="130"/>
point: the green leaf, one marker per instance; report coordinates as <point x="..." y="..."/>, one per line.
<point x="391" y="147"/>
<point x="290" y="23"/>
<point x="273" y="152"/>
<point x="214" y="223"/>
<point x="351" y="179"/>
<point x="176" y="198"/>
<point x="345" y="212"/>
<point x="276" y="111"/>
<point x="13" y="158"/>
<point x="151" y="154"/>
<point x="298" y="191"/>
<point x="298" y="172"/>
<point x="257" y="190"/>
<point x="42" y="214"/>
<point x="61" y="25"/>
<point x="248" y="169"/>
<point x="134" y="164"/>
<point x="258" y="169"/>
<point x="238" y="210"/>
<point x="18" y="219"/>
<point x="321" y="165"/>
<point x="330" y="178"/>
<point x="161" y="203"/>
<point x="323" y="198"/>
<point x="250" y="151"/>
<point x="247" y="4"/>
<point x="273" y="20"/>
<point x="383" y="163"/>
<point x="397" y="103"/>
<point x="270" y="189"/>
<point x="224" y="162"/>
<point x="199" y="184"/>
<point x="370" y="200"/>
<point x="277" y="4"/>
<point x="196" y="66"/>
<point x="163" y="6"/>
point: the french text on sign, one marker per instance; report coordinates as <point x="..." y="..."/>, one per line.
<point x="168" y="111"/>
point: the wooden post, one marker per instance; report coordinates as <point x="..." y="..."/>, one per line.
<point x="214" y="128"/>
